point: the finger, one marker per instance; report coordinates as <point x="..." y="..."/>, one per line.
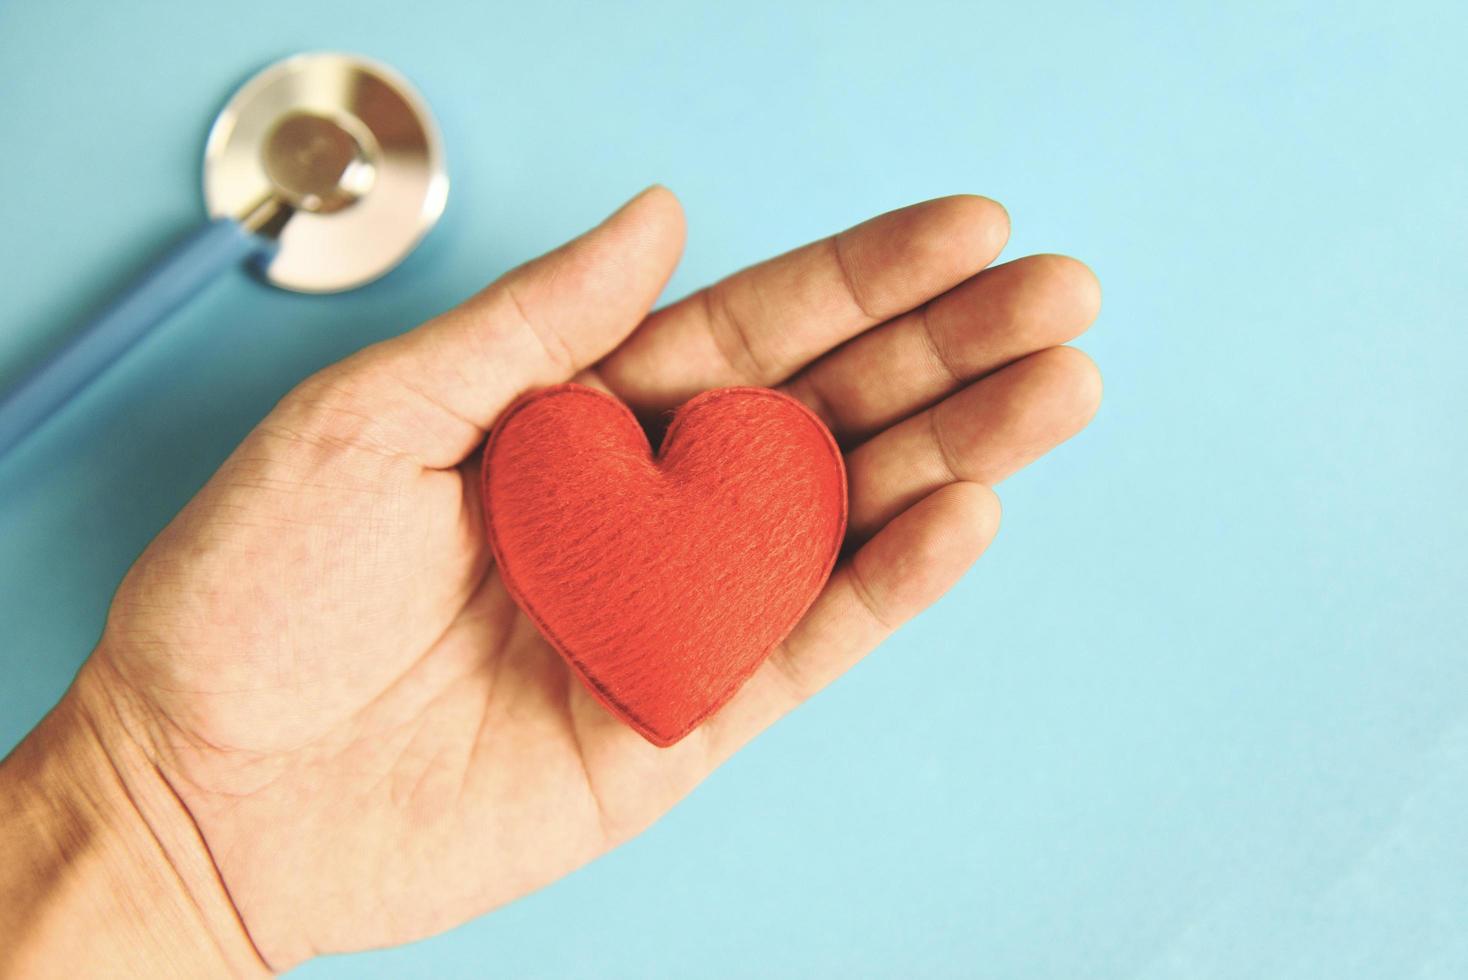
<point x="432" y="392"/>
<point x="982" y="434"/>
<point x="761" y="325"/>
<point x="916" y="558"/>
<point x="984" y="323"/>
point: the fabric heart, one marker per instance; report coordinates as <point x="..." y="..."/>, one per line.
<point x="664" y="580"/>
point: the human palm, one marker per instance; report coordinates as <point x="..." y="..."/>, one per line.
<point x="321" y="660"/>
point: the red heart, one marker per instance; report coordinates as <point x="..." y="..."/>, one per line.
<point x="665" y="580"/>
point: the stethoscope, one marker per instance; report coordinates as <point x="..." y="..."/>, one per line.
<point x="323" y="172"/>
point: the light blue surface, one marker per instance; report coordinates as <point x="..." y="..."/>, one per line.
<point x="1203" y="709"/>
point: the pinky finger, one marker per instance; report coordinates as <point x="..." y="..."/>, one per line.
<point x="901" y="571"/>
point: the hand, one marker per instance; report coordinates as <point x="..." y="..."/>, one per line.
<point x="316" y="665"/>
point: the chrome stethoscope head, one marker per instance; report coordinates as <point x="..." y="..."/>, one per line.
<point x="334" y="156"/>
<point x="323" y="172"/>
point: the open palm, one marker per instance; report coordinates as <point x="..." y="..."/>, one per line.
<point x="320" y="659"/>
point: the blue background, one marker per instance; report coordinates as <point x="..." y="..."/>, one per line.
<point x="1203" y="709"/>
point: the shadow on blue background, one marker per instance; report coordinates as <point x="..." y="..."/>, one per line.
<point x="1203" y="709"/>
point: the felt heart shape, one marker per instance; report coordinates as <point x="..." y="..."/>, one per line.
<point x="664" y="580"/>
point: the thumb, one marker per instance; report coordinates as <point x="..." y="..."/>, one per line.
<point x="432" y="392"/>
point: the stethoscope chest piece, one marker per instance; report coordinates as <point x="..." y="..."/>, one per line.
<point x="322" y="172"/>
<point x="335" y="157"/>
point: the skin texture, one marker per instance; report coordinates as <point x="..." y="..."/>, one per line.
<point x="314" y="704"/>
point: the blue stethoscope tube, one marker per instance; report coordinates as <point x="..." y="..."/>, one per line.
<point x="191" y="265"/>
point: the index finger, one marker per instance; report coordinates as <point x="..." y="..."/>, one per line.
<point x="761" y="325"/>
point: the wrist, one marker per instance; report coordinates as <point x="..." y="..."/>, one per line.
<point x="102" y="871"/>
